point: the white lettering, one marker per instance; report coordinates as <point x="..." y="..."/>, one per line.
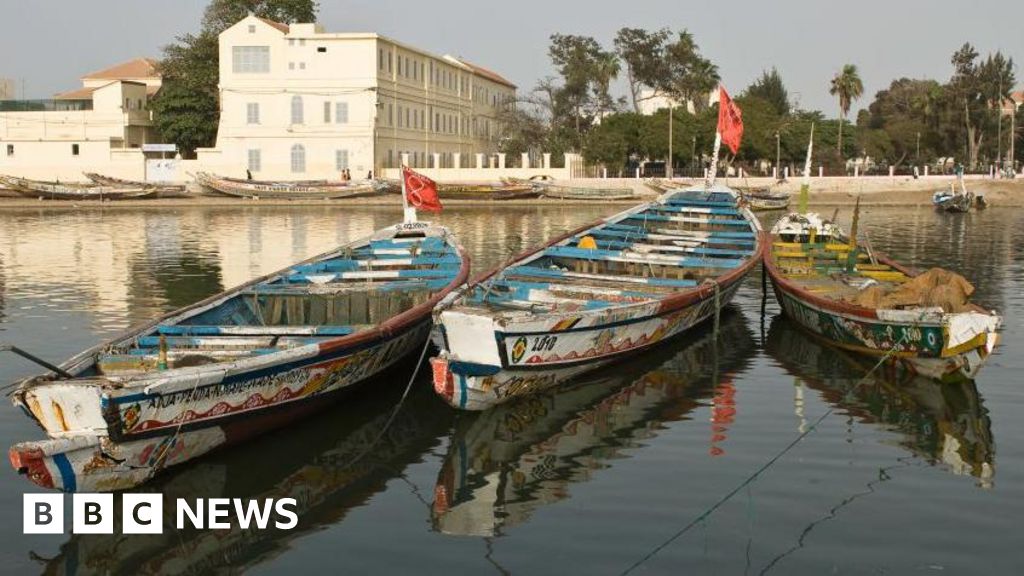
<point x="219" y="509"/>
<point x="184" y="510"/>
<point x="293" y="518"/>
<point x="246" y="515"/>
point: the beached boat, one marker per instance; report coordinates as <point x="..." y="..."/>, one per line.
<point x="662" y="185"/>
<point x="953" y="201"/>
<point x="163" y="189"/>
<point x="505" y="464"/>
<point x="239" y="363"/>
<point x="764" y="200"/>
<point x="550" y="189"/>
<point x="57" y="191"/>
<point x="477" y="190"/>
<point x="299" y="190"/>
<point x="865" y="302"/>
<point x="594" y="295"/>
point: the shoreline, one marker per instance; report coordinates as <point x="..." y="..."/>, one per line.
<point x="824" y="192"/>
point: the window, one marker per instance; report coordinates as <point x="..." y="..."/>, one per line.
<point x="380" y="58"/>
<point x="407" y="117"/>
<point x="255" y="161"/>
<point x="302" y="41"/>
<point x="340" y="159"/>
<point x="252" y="29"/>
<point x="252" y="113"/>
<point x="74" y="149"/>
<point x="297" y="109"/>
<point x="389" y="62"/>
<point x="10" y="149"/>
<point x="291" y="41"/>
<point x="399" y="116"/>
<point x="302" y="65"/>
<point x="341" y="112"/>
<point x="327" y="112"/>
<point x="291" y="65"/>
<point x="321" y="49"/>
<point x="391" y="114"/>
<point x="298" y="158"/>
<point x="250" y="59"/>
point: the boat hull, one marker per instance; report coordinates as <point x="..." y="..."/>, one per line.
<point x="946" y="347"/>
<point x="164" y="430"/>
<point x="535" y="359"/>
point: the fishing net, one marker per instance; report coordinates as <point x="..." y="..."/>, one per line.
<point x="935" y="288"/>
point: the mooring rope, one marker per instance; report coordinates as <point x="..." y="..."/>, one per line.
<point x="763" y="468"/>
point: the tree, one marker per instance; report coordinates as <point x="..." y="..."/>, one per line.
<point x="643" y="53"/>
<point x="847" y="87"/>
<point x="186" y="110"/>
<point x="587" y="71"/>
<point x="689" y="77"/>
<point x="903" y="122"/>
<point x="769" y="87"/>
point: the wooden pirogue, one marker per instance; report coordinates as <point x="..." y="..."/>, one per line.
<point x="870" y="304"/>
<point x="57" y="191"/>
<point x="237" y="364"/>
<point x="592" y="296"/>
<point x="162" y="189"/>
<point x="298" y="190"/>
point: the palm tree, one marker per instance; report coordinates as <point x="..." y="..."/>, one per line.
<point x="847" y="86"/>
<point x="606" y="69"/>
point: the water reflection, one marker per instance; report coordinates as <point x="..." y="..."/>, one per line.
<point x="505" y="463"/>
<point x="323" y="464"/>
<point x="940" y="423"/>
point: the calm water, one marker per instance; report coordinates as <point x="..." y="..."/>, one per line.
<point x="901" y="477"/>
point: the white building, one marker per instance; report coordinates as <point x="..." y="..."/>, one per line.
<point x="650" y="102"/>
<point x="98" y="127"/>
<point x="297" y="103"/>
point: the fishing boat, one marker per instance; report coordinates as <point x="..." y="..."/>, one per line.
<point x="299" y="190"/>
<point x="549" y="189"/>
<point x="505" y="464"/>
<point x="594" y="295"/>
<point x="58" y="191"/>
<point x="662" y="185"/>
<point x="765" y="200"/>
<point x="237" y="364"/>
<point x="954" y="200"/>
<point x="163" y="189"/>
<point x="863" y="301"/>
<point x="479" y="190"/>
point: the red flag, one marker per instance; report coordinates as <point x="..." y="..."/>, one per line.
<point x="420" y="191"/>
<point x="730" y="121"/>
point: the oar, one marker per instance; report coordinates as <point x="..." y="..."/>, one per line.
<point x="59" y="371"/>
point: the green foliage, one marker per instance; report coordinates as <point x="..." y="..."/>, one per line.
<point x="643" y="53"/>
<point x="688" y="76"/>
<point x="769" y="87"/>
<point x="186" y="110"/>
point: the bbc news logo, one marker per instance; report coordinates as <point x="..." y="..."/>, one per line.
<point x="143" y="514"/>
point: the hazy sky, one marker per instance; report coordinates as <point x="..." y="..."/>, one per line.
<point x="50" y="44"/>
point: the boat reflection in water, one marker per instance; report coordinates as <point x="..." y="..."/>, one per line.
<point x="941" y="423"/>
<point x="312" y="463"/>
<point x="505" y="462"/>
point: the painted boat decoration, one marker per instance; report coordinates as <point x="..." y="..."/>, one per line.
<point x="504" y="464"/>
<point x="868" y="303"/>
<point x="56" y="191"/>
<point x="321" y="465"/>
<point x="163" y="189"/>
<point x="943" y="424"/>
<point x="238" y="363"/>
<point x="594" y="295"/>
<point x="551" y="189"/>
<point x="764" y="200"/>
<point x="299" y="190"/>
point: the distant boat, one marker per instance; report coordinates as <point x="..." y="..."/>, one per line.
<point x="864" y="302"/>
<point x="764" y="200"/>
<point x="238" y="363"/>
<point x="163" y="190"/>
<point x="957" y="201"/>
<point x="477" y="190"/>
<point x="594" y="295"/>
<point x="550" y="189"/>
<point x="56" y="191"/>
<point x="297" y="190"/>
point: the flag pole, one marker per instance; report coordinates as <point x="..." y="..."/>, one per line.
<point x="713" y="169"/>
<point x="805" y="185"/>
<point x="408" y="212"/>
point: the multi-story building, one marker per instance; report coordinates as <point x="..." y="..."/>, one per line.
<point x="297" y="102"/>
<point x="101" y="125"/>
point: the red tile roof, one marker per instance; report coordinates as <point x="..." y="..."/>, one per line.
<point x="490" y="75"/>
<point x="79" y="94"/>
<point x="279" y="25"/>
<point x="137" y="68"/>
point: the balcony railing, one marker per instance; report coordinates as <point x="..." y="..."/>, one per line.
<point x="47" y="105"/>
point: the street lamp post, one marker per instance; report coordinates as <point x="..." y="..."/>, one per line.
<point x="778" y="154"/>
<point x="693" y="155"/>
<point x="668" y="163"/>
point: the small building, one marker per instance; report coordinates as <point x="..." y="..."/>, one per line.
<point x="650" y="102"/>
<point x="6" y="89"/>
<point x="298" y="103"/>
<point x="101" y="126"/>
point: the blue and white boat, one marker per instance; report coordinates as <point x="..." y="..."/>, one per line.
<point x="593" y="296"/>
